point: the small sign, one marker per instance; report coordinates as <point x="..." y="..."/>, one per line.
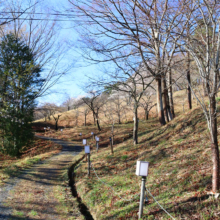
<point x="142" y="168"/>
<point x="87" y="149"/>
<point x="84" y="141"/>
<point x="92" y="133"/>
<point x="61" y="130"/>
<point x="45" y="128"/>
<point x="97" y="138"/>
<point x="80" y="134"/>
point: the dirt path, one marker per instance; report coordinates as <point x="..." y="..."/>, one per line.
<point x="37" y="193"/>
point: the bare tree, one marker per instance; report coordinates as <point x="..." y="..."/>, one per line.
<point x="147" y="104"/>
<point x="48" y="109"/>
<point x="86" y="111"/>
<point x="117" y="104"/>
<point x="131" y="79"/>
<point x="203" y="44"/>
<point x="142" y="29"/>
<point x="5" y="19"/>
<point x="94" y="102"/>
<point x="68" y="103"/>
<point x="56" y="118"/>
<point x="110" y="118"/>
<point x="39" y="31"/>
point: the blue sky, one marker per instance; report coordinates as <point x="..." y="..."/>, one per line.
<point x="71" y="83"/>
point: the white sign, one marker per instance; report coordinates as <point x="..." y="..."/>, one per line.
<point x="45" y="128"/>
<point x="61" y="130"/>
<point x="80" y="134"/>
<point x="97" y="138"/>
<point x="142" y="168"/>
<point x="92" y="133"/>
<point x="87" y="149"/>
<point x="84" y="141"/>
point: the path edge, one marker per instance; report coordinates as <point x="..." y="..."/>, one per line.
<point x="81" y="206"/>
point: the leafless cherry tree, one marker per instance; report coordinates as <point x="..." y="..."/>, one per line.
<point x="147" y="104"/>
<point x="56" y="118"/>
<point x="94" y="101"/>
<point x="203" y="44"/>
<point x="118" y="106"/>
<point x="139" y="28"/>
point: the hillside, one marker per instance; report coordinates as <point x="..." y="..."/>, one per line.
<point x="179" y="176"/>
<point x="68" y="120"/>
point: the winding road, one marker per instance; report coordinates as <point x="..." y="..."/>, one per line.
<point x="34" y="194"/>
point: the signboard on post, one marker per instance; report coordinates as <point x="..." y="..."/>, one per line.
<point x="142" y="168"/>
<point x="87" y="149"/>
<point x="84" y="141"/>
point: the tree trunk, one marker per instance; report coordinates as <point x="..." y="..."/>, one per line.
<point x="204" y="88"/>
<point x="97" y="121"/>
<point x="94" y="117"/>
<point x="135" y="130"/>
<point x="171" y="93"/>
<point x="165" y="107"/>
<point x="160" y="102"/>
<point x="99" y="128"/>
<point x="214" y="147"/>
<point x="56" y="126"/>
<point x="166" y="101"/>
<point x="119" y="119"/>
<point x="113" y="134"/>
<point x="146" y="114"/>
<point x="189" y="82"/>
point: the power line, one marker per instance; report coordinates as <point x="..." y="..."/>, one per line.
<point x="40" y="19"/>
<point x="36" y="13"/>
<point x="48" y="19"/>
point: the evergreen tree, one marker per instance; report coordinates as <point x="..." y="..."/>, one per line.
<point x="20" y="81"/>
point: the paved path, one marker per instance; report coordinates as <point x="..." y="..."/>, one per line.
<point x="33" y="195"/>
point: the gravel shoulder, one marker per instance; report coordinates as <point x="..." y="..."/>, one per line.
<point x="37" y="192"/>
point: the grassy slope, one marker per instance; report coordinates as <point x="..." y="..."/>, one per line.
<point x="179" y="176"/>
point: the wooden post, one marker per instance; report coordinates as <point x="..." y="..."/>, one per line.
<point x="110" y="139"/>
<point x="142" y="197"/>
<point x="97" y="146"/>
<point x="88" y="164"/>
